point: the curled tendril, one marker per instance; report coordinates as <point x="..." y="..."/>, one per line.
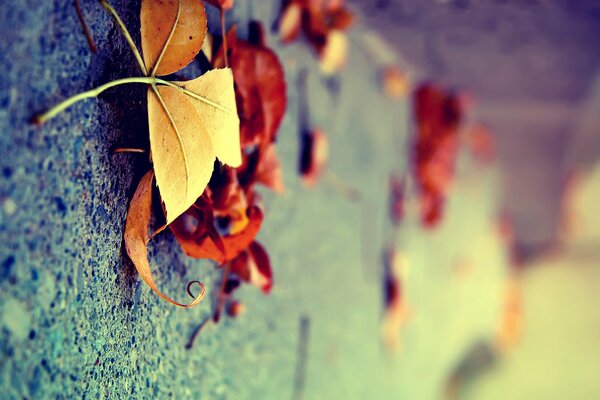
<point x="202" y="289"/>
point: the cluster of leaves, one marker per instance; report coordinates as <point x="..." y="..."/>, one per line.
<point x="211" y="142"/>
<point x="224" y="221"/>
<point x="437" y="115"/>
<point x="324" y="23"/>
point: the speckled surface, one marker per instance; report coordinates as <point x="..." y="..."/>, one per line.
<point x="75" y="320"/>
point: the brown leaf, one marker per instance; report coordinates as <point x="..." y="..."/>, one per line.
<point x="180" y="25"/>
<point x="136" y="237"/>
<point x="260" y="89"/>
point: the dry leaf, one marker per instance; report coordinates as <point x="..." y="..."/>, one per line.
<point x="202" y="246"/>
<point x="136" y="237"/>
<point x="158" y="18"/>
<point x="186" y="134"/>
<point x="260" y="88"/>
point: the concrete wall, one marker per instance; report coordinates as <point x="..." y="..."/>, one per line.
<point x="76" y="321"/>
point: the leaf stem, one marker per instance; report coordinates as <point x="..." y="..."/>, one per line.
<point x="51" y="113"/>
<point x="125" y="33"/>
<point x="149" y="80"/>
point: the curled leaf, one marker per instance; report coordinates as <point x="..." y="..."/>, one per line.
<point x="180" y="25"/>
<point x="136" y="238"/>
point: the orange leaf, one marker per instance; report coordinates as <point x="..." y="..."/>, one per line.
<point x="180" y="25"/>
<point x="202" y="246"/>
<point x="136" y="237"/>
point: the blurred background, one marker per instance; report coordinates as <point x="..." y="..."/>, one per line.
<point x="442" y="243"/>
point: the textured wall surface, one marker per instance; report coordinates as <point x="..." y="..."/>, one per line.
<point x="76" y="321"/>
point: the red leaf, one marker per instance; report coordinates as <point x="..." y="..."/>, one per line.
<point x="438" y="115"/>
<point x="260" y="89"/>
<point x="204" y="246"/>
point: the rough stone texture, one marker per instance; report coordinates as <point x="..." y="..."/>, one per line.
<point x="76" y="322"/>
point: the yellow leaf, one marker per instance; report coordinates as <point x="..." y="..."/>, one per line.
<point x="222" y="123"/>
<point x="136" y="237"/>
<point x="187" y="132"/>
<point x="178" y="25"/>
